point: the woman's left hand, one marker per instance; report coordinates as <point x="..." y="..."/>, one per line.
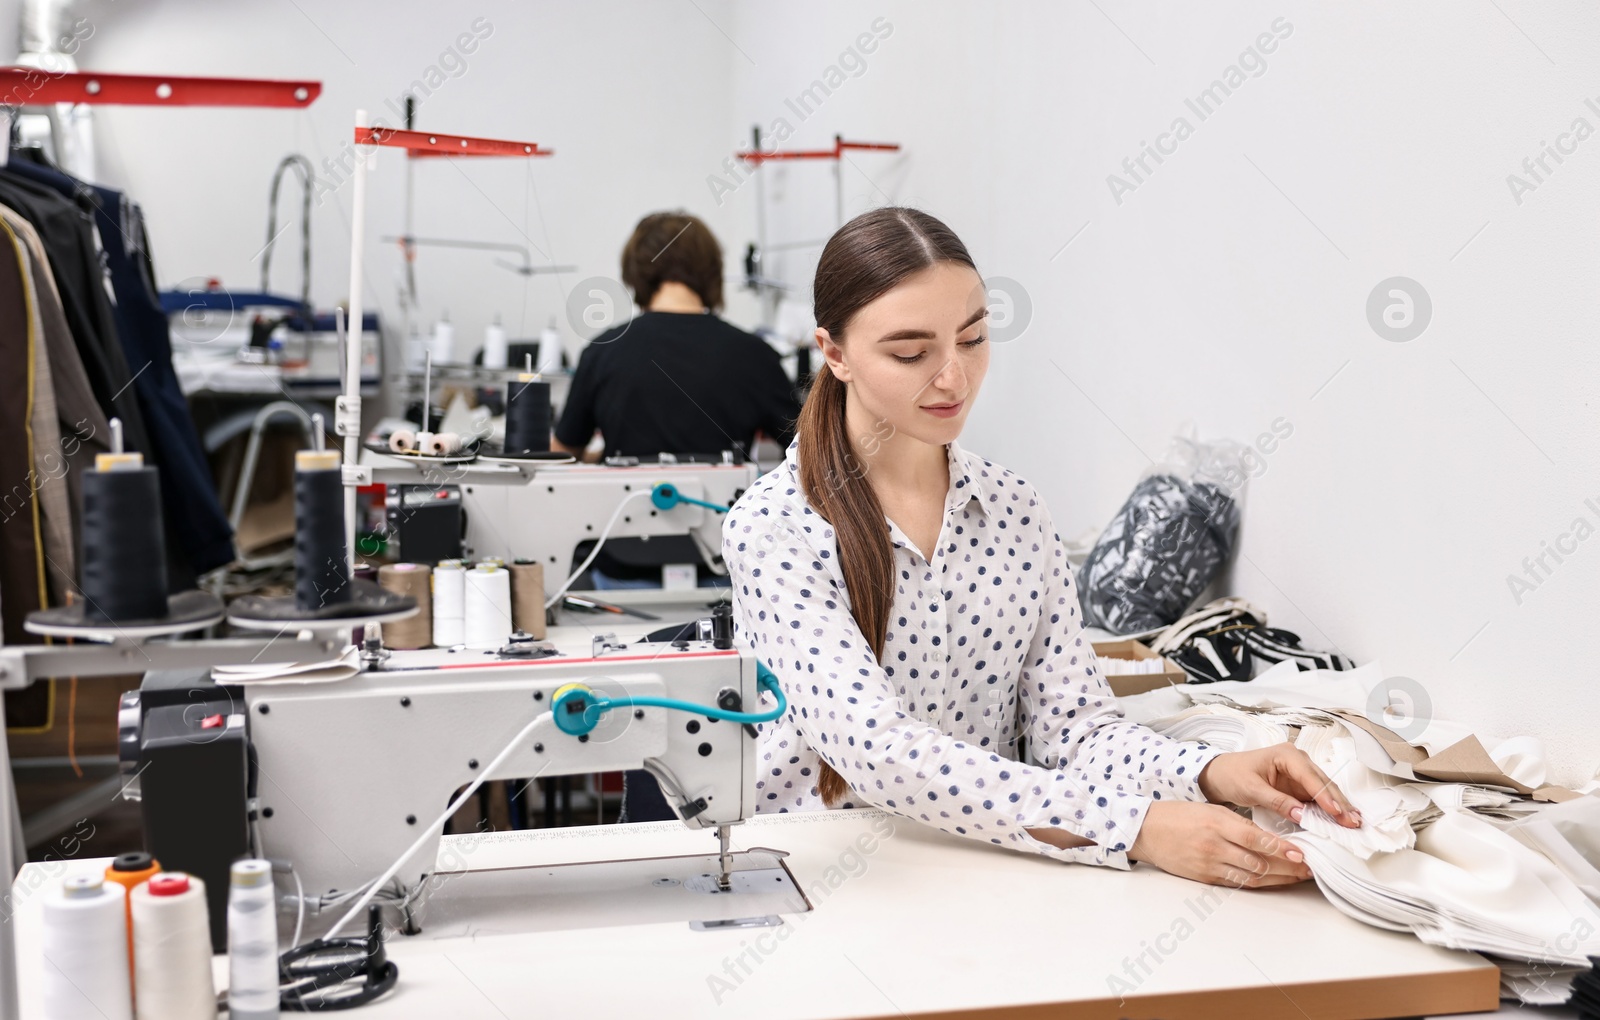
<point x="1281" y="778"/>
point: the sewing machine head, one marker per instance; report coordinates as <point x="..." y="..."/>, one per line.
<point x="341" y="777"/>
<point x="574" y="503"/>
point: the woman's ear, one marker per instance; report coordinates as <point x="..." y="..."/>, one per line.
<point x="833" y="354"/>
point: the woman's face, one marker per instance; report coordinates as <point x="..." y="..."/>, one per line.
<point x="915" y="357"/>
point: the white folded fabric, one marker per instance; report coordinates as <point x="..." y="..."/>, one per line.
<point x="1568" y="835"/>
<point x="1536" y="984"/>
<point x="1460" y="865"/>
<point x="1466" y="885"/>
<point x="341" y="667"/>
<point x="1223" y="727"/>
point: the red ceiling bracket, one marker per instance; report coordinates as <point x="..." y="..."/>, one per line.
<point x="840" y="147"/>
<point x="431" y="143"/>
<point x="29" y="86"/>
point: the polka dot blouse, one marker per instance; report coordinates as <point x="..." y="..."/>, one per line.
<point x="985" y="647"/>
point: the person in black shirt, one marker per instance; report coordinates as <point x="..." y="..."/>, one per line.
<point x="676" y="378"/>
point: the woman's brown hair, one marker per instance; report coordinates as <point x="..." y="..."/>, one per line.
<point x="672" y="247"/>
<point x="864" y="260"/>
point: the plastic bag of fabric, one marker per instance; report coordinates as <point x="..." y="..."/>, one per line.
<point x="1171" y="538"/>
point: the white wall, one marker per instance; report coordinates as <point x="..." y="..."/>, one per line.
<point x="632" y="96"/>
<point x="1419" y="477"/>
<point x="1229" y="288"/>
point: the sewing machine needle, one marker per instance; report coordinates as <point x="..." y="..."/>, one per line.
<point x="725" y="861"/>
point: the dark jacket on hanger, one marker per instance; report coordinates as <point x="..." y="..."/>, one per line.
<point x="68" y="233"/>
<point x="198" y="534"/>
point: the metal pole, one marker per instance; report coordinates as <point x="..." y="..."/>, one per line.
<point x="838" y="182"/>
<point x="349" y="416"/>
<point x="10" y="824"/>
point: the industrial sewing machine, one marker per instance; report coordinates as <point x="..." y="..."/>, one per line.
<point x="541" y="512"/>
<point x="340" y="778"/>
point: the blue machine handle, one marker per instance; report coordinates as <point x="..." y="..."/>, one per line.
<point x="665" y="496"/>
<point x="578" y="707"/>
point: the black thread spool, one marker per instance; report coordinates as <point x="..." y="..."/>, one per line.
<point x="124" y="555"/>
<point x="527" y="415"/>
<point x="321" y="561"/>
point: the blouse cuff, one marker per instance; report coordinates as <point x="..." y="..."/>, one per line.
<point x="1115" y="830"/>
<point x="1203" y="753"/>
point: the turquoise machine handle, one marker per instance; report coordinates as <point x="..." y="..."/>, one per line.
<point x="578" y="707"/>
<point x="665" y="496"/>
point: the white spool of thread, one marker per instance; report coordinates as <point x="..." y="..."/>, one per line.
<point x="86" y="952"/>
<point x="550" y="349"/>
<point x="495" y="347"/>
<point x="443" y="444"/>
<point x="172" y="949"/>
<point x="443" y="341"/>
<point x="403" y="441"/>
<point x="449" y="603"/>
<point x="488" y="605"/>
<point x="252" y="942"/>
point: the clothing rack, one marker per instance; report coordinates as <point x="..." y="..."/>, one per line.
<point x="417" y="144"/>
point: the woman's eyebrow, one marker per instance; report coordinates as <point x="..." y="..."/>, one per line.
<point x="924" y="334"/>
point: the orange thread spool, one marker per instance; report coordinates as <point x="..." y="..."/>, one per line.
<point x="129" y="870"/>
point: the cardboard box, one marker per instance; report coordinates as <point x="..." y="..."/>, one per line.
<point x="1136" y="683"/>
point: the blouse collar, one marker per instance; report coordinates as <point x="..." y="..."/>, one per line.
<point x="967" y="477"/>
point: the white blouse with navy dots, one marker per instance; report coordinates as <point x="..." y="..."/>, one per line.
<point x="984" y="645"/>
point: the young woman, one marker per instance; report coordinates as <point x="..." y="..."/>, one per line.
<point x="916" y="603"/>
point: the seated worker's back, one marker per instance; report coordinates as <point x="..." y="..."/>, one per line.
<point x="675" y="379"/>
<point x="679" y="383"/>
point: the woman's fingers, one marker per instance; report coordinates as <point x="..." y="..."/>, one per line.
<point x="1251" y="850"/>
<point x="1299" y="768"/>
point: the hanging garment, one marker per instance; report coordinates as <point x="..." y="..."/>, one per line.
<point x="82" y="426"/>
<point x="69" y="238"/>
<point x="198" y="535"/>
<point x="22" y="562"/>
<point x="188" y="493"/>
<point x="22" y="572"/>
<point x="46" y="481"/>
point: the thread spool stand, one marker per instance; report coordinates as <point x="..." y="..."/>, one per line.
<point x="326" y="595"/>
<point x="122" y="593"/>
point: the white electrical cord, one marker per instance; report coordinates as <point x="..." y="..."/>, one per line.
<point x="300" y="912"/>
<point x="438" y="823"/>
<point x="604" y="534"/>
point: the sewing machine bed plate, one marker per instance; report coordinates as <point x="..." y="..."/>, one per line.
<point x="905" y="922"/>
<point x="598" y="894"/>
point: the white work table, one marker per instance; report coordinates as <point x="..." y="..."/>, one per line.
<point x="923" y="924"/>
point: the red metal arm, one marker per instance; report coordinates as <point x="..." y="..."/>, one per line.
<point x="431" y="143"/>
<point x="840" y="147"/>
<point x="28" y="86"/>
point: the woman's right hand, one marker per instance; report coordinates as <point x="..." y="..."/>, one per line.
<point x="1212" y="844"/>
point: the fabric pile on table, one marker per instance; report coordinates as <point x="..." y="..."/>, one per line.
<point x="1463" y="845"/>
